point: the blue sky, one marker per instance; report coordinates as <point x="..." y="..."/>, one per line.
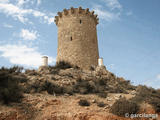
<point x="128" y="35"/>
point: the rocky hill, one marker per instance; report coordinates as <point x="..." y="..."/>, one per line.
<point x="65" y="92"/>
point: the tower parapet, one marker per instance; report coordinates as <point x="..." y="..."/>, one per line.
<point x="76" y="12"/>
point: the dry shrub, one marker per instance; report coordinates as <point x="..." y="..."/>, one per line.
<point x="123" y="106"/>
<point x="84" y="102"/>
<point x="101" y="104"/>
<point x="10" y="91"/>
<point x="149" y="95"/>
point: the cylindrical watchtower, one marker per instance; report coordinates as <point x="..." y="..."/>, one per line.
<point x="44" y="61"/>
<point x="77" y="37"/>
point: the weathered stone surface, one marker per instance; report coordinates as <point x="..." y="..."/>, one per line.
<point x="77" y="37"/>
<point x="43" y="69"/>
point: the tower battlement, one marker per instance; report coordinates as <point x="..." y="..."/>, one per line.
<point x="76" y="12"/>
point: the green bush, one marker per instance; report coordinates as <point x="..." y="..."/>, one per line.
<point x="68" y="90"/>
<point x="101" y="82"/>
<point x="97" y="86"/>
<point x="10" y="91"/>
<point x="31" y="72"/>
<point x="122" y="86"/>
<point x="52" y="88"/>
<point x="100" y="87"/>
<point x="21" y="78"/>
<point x="101" y="104"/>
<point x="63" y="65"/>
<point x="16" y="69"/>
<point x="118" y="89"/>
<point x="102" y="94"/>
<point x="12" y="70"/>
<point x="53" y="70"/>
<point x="27" y="89"/>
<point x="123" y="106"/>
<point x="84" y="102"/>
<point x="83" y="87"/>
<point x="126" y="84"/>
<point x="37" y="86"/>
<point x="155" y="102"/>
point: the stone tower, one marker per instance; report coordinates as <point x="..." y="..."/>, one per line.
<point x="77" y="37"/>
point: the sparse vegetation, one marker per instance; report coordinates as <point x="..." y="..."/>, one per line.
<point x="61" y="65"/>
<point x="86" y="87"/>
<point x="68" y="90"/>
<point x="31" y="72"/>
<point x="13" y="70"/>
<point x="123" y="106"/>
<point x="84" y="102"/>
<point x="98" y="85"/>
<point x="83" y="87"/>
<point x="80" y="86"/>
<point x="102" y="94"/>
<point x="149" y="95"/>
<point x="92" y="68"/>
<point x="122" y="86"/>
<point x="37" y="86"/>
<point x="101" y="104"/>
<point x="64" y="65"/>
<point x="12" y="78"/>
<point x="52" y="88"/>
<point x="126" y="84"/>
<point x="118" y="89"/>
<point x="155" y="102"/>
<point x="10" y="91"/>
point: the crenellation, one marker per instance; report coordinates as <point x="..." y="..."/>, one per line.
<point x="87" y="10"/>
<point x="76" y="12"/>
<point x="97" y="19"/>
<point x="92" y="12"/>
<point x="59" y="14"/>
<point x="95" y="15"/>
<point x="80" y="10"/>
<point x="97" y="22"/>
<point x="65" y="11"/>
<point x="56" y="17"/>
<point x="72" y="10"/>
<point x="56" y="20"/>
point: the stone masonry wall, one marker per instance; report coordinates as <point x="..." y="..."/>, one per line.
<point x="77" y="37"/>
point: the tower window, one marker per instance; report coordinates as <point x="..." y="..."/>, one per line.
<point x="80" y="21"/>
<point x="71" y="38"/>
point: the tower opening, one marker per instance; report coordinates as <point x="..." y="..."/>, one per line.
<point x="80" y="21"/>
<point x="71" y="38"/>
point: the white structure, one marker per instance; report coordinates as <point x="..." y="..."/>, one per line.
<point x="44" y="61"/>
<point x="100" y="62"/>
